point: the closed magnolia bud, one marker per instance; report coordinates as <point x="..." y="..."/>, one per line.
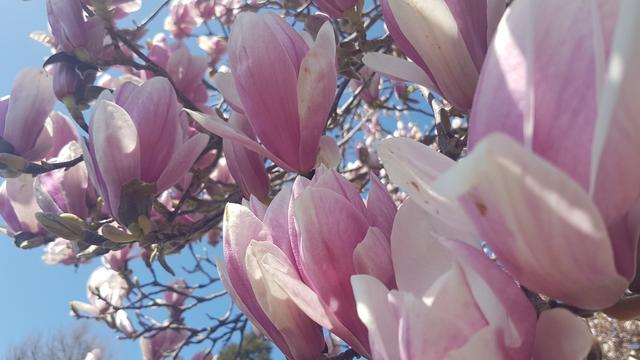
<point x="75" y="34"/>
<point x="263" y="83"/>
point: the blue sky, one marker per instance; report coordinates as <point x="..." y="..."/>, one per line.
<point x="35" y="296"/>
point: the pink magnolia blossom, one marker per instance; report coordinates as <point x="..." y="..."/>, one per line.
<point x="117" y="260"/>
<point x="207" y="9"/>
<point x="162" y="344"/>
<point x="203" y="355"/>
<point x="452" y="300"/>
<point x="516" y="200"/>
<point x="114" y="9"/>
<point x="215" y="46"/>
<point x="183" y="18"/>
<point x="18" y="206"/>
<point x="61" y="251"/>
<point x="336" y="8"/>
<point x="138" y="134"/>
<point x="104" y="284"/>
<point x="74" y="32"/>
<point x="23" y="116"/>
<point x="247" y="231"/>
<point x="305" y="263"/>
<point x="66" y="191"/>
<point x="185" y="69"/>
<point x="176" y="299"/>
<point x="567" y="224"/>
<point x="286" y="95"/>
<point x="371" y="79"/>
<point x="447" y="41"/>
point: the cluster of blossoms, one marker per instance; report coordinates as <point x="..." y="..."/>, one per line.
<point x="490" y="232"/>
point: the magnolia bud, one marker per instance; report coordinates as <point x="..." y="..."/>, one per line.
<point x="66" y="226"/>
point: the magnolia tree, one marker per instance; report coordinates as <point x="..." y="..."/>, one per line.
<point x="491" y="139"/>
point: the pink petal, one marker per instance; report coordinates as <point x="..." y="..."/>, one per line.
<point x="443" y="51"/>
<point x="485" y="344"/>
<point x="419" y="258"/>
<point x="265" y="71"/>
<point x="213" y="123"/>
<point x="414" y="167"/>
<point x="560" y="335"/>
<point x="302" y="336"/>
<point x="326" y="256"/>
<point x="373" y="257"/>
<point x="182" y="160"/>
<point x="246" y="167"/>
<point x="398" y="69"/>
<point x="542" y="225"/>
<point x="276" y="219"/>
<point x="617" y="133"/>
<point x="153" y="108"/>
<point x="377" y="314"/>
<point x="30" y="103"/>
<point x="117" y="152"/>
<point x="240" y="226"/>
<point x="316" y="90"/>
<point x="20" y="195"/>
<point x="381" y="209"/>
<point x="500" y="299"/>
<point x="223" y="81"/>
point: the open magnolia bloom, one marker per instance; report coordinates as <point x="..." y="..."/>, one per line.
<point x="285" y="94"/>
<point x="480" y="311"/>
<point x="567" y="224"/>
<point x="284" y="267"/>
<point x="452" y="301"/>
<point x="138" y="138"/>
<point x="25" y="130"/>
<point x="446" y="39"/>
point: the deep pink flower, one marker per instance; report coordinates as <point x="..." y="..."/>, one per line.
<point x="286" y="95"/>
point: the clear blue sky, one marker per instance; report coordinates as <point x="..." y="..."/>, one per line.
<point x="35" y="296"/>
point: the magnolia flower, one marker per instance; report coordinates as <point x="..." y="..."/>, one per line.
<point x="446" y="39"/>
<point x="162" y="343"/>
<point x="175" y="299"/>
<point x="66" y="191"/>
<point x="371" y="85"/>
<point x="186" y="70"/>
<point x="183" y="17"/>
<point x="286" y="95"/>
<point x="117" y="260"/>
<point x="562" y="218"/>
<point x="247" y="230"/>
<point x="336" y="8"/>
<point x="25" y="131"/>
<point x="95" y="354"/>
<point x="138" y="136"/>
<point x="61" y="251"/>
<point x="303" y="263"/>
<point x="114" y="9"/>
<point x="215" y="46"/>
<point x="452" y="300"/>
<point x="18" y="206"/>
<point x="74" y="33"/>
<point x="106" y="288"/>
